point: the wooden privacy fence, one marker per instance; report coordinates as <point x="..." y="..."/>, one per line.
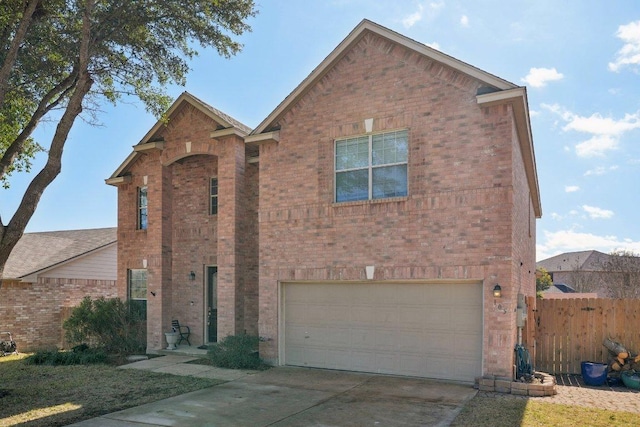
<point x="569" y="331"/>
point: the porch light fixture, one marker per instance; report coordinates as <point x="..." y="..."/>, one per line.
<point x="497" y="291"/>
<point x="192" y="276"/>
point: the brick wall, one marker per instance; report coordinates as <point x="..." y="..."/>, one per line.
<point x="32" y="311"/>
<point x="457" y="219"/>
<point x="183" y="237"/>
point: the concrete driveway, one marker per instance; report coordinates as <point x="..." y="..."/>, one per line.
<point x="288" y="396"/>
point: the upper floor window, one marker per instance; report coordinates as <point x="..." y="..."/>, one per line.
<point x="213" y="194"/>
<point x="371" y="167"/>
<point x="142" y="208"/>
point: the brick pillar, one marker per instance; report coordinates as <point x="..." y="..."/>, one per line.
<point x="231" y="170"/>
<point x="159" y="256"/>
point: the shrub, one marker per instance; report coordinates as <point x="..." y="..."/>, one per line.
<point x="80" y="355"/>
<point x="237" y="352"/>
<point x="112" y="325"/>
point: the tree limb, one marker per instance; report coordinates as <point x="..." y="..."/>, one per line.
<point x="12" y="53"/>
<point x="48" y="102"/>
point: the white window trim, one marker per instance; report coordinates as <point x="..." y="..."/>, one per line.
<point x="369" y="167"/>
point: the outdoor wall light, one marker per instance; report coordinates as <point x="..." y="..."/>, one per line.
<point x="497" y="291"/>
<point x="192" y="276"/>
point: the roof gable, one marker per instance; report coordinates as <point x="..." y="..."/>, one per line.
<point x="36" y="252"/>
<point x="153" y="136"/>
<point x="366" y="27"/>
<point x="495" y="91"/>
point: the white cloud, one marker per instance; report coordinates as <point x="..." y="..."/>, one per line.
<point x="464" y="21"/>
<point x="629" y="54"/>
<point x="539" y="77"/>
<point x="597" y="213"/>
<point x="429" y="12"/>
<point x="571" y="188"/>
<point x="415" y="17"/>
<point x="433" y="45"/>
<point x="598" y="145"/>
<point x="558" y="242"/>
<point x="605" y="131"/>
<point x="600" y="170"/>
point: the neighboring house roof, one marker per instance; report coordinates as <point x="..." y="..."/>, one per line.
<point x="497" y="91"/>
<point x="560" y="287"/>
<point x="37" y="252"/>
<point x="564" y="291"/>
<point x="573" y="261"/>
<point x="150" y="139"/>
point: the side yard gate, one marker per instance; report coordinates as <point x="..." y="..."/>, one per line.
<point x="569" y="331"/>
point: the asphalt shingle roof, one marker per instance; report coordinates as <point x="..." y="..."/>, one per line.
<point x="570" y="261"/>
<point x="38" y="251"/>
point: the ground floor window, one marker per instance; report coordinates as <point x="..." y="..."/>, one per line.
<point x="137" y="291"/>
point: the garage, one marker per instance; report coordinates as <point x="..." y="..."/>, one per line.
<point x="431" y="330"/>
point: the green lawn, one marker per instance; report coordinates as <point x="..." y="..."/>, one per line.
<point x="37" y="395"/>
<point x="508" y="411"/>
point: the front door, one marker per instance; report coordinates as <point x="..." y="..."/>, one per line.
<point x="212" y="304"/>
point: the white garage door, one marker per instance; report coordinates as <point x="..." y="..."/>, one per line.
<point x="425" y="330"/>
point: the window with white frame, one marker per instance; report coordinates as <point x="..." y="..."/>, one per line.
<point x="137" y="290"/>
<point x="371" y="166"/>
<point x="213" y="196"/>
<point x="142" y="208"/>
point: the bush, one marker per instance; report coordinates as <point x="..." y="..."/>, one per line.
<point x="237" y="352"/>
<point x="111" y="325"/>
<point x="81" y="355"/>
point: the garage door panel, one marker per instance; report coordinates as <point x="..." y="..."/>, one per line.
<point x="362" y="314"/>
<point x="438" y="318"/>
<point x="386" y="316"/>
<point x="362" y="360"/>
<point x="405" y="329"/>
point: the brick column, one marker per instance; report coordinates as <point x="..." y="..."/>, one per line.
<point x="159" y="256"/>
<point x="231" y="170"/>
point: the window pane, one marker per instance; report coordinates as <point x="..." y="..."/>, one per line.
<point x="390" y="148"/>
<point x="143" y="197"/>
<point x="389" y="181"/>
<point x="143" y="219"/>
<point x="142" y="208"/>
<point x="213" y="205"/>
<point x="352" y="153"/>
<point x="138" y="284"/>
<point x="353" y="185"/>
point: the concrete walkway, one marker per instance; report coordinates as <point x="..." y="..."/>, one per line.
<point x="287" y="396"/>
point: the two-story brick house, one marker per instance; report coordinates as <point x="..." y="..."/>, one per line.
<point x="363" y="225"/>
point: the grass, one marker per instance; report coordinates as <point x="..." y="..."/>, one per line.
<point x="496" y="410"/>
<point x="40" y="395"/>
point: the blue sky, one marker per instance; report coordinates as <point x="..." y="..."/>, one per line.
<point x="580" y="61"/>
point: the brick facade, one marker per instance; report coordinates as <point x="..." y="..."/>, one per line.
<point x="469" y="214"/>
<point x="183" y="237"/>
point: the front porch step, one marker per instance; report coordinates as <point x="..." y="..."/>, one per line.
<point x="184" y="350"/>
